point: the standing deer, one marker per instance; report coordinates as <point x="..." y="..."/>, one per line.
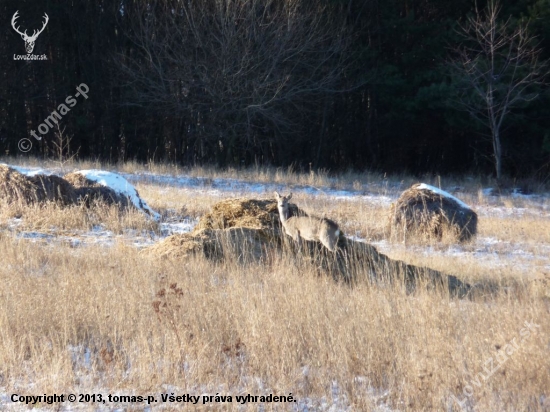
<point x="29" y="40"/>
<point x="309" y="228"/>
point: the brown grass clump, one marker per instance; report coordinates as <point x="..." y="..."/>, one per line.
<point x="425" y="214"/>
<point x="91" y="192"/>
<point x="78" y="180"/>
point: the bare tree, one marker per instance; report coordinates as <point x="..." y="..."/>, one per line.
<point x="497" y="68"/>
<point x="240" y="75"/>
<point x="61" y="146"/>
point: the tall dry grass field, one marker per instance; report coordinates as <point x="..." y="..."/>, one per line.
<point x="97" y="319"/>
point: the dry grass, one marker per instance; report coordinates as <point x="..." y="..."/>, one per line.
<point x="113" y="320"/>
<point x="379" y="183"/>
<point x="229" y="328"/>
<point x="52" y="217"/>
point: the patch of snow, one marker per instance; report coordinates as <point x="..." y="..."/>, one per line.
<point x="28" y="171"/>
<point x="121" y="186"/>
<point x="186" y="226"/>
<point x="517" y="192"/>
<point x="442" y="193"/>
<point x="226" y="186"/>
<point x="34" y="235"/>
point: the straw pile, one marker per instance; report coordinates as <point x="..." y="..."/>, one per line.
<point x="429" y="213"/>
<point x="16" y="187"/>
<point x="236" y="228"/>
<point x="74" y="188"/>
<point x="251" y="213"/>
<point x="20" y="189"/>
<point x="248" y="230"/>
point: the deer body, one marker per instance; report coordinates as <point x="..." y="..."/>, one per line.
<point x="307" y="227"/>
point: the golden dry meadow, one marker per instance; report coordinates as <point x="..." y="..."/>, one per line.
<point x="104" y="317"/>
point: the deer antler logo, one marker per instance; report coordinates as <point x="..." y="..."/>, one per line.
<point x="29" y="40"/>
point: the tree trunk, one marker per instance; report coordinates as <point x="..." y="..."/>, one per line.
<point x="497" y="153"/>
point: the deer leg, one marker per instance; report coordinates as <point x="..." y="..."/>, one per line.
<point x="299" y="240"/>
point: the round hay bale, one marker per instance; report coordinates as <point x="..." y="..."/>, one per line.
<point x="54" y="189"/>
<point x="90" y="192"/>
<point x="431" y="213"/>
<point x="15" y="187"/>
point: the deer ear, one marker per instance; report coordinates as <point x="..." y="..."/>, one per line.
<point x="277" y="195"/>
<point x="289" y="196"/>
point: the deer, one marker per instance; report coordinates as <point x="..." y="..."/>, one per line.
<point x="307" y="227"/>
<point x="29" y="40"/>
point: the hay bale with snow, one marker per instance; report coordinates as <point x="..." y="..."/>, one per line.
<point x="16" y="188"/>
<point x="78" y="180"/>
<point x="91" y="192"/>
<point x="108" y="187"/>
<point x="431" y="213"/>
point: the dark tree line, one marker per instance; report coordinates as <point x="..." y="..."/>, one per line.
<point x="317" y="83"/>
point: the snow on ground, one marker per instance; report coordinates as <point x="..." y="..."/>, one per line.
<point x="29" y="171"/>
<point x="98" y="235"/>
<point x="221" y="187"/>
<point x="532" y="259"/>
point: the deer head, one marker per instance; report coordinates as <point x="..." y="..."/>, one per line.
<point x="29" y="40"/>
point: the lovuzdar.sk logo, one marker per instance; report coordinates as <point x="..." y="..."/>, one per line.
<point x="29" y="40"/>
